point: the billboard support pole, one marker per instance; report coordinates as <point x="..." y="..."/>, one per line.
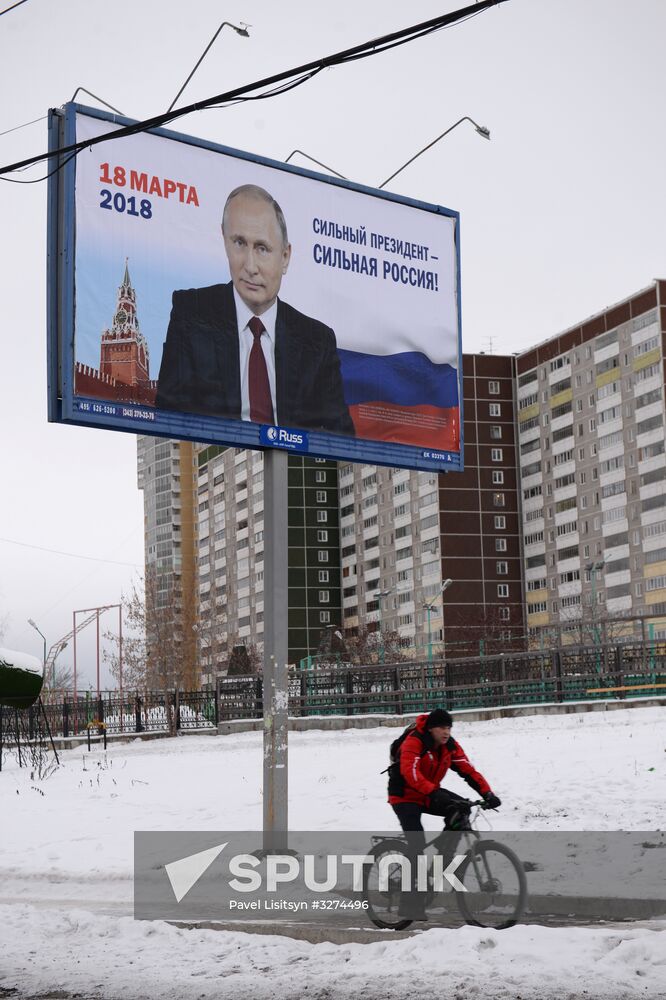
<point x="275" y="688"/>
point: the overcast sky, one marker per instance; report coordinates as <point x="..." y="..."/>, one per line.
<point x="563" y="212"/>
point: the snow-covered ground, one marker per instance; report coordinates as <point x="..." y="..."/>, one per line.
<point x="66" y="865"/>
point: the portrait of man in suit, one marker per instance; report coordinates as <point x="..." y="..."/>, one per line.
<point x="236" y="350"/>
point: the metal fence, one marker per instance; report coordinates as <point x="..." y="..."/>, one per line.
<point x="567" y="673"/>
<point x="580" y="673"/>
<point x="134" y="712"/>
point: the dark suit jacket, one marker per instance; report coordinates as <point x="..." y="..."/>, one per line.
<point x="200" y="370"/>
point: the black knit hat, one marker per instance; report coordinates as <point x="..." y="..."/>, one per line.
<point x="439" y="718"/>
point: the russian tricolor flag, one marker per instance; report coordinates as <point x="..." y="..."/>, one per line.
<point x="404" y="398"/>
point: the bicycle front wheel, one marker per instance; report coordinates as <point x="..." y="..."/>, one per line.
<point x="495" y="884"/>
<point x="382" y="882"/>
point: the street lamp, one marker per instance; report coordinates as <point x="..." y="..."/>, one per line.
<point x="428" y="607"/>
<point x="63" y="645"/>
<point x="242" y="31"/>
<point x="380" y="595"/>
<point x="481" y="129"/>
<point x="593" y="568"/>
<point x="31" y="622"/>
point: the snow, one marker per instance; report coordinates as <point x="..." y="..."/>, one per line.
<point x="20" y="661"/>
<point x="66" y="864"/>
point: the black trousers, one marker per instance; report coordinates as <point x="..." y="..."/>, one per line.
<point x="409" y="815"/>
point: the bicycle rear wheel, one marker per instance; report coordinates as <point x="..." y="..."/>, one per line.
<point x="496" y="886"/>
<point x="382" y="886"/>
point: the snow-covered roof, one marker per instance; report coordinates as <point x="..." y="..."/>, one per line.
<point x="20" y="661"/>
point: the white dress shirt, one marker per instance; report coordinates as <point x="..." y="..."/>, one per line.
<point x="245" y="342"/>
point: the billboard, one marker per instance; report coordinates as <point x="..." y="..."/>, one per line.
<point x="200" y="292"/>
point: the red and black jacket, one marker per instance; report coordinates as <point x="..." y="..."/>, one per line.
<point x="421" y="766"/>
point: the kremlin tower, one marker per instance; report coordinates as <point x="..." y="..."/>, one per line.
<point x="124" y="370"/>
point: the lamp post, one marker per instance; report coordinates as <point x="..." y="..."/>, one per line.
<point x="380" y="595"/>
<point x="63" y="645"/>
<point x="593" y="568"/>
<point x="481" y="129"/>
<point x="31" y="622"/>
<point x="242" y="31"/>
<point x="428" y="606"/>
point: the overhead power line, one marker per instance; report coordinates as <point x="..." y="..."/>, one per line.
<point x="7" y="9"/>
<point x="285" y="78"/>
<point x="24" y="125"/>
<point x="72" y="555"/>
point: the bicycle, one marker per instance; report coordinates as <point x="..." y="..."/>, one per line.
<point x="491" y="873"/>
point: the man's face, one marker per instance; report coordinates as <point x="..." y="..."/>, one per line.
<point x="440" y="734"/>
<point x="257" y="255"/>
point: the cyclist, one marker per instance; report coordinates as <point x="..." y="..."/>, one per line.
<point x="423" y="758"/>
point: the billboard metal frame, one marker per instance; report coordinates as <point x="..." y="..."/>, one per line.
<point x="64" y="406"/>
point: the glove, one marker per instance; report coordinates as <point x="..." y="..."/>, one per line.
<point x="492" y="801"/>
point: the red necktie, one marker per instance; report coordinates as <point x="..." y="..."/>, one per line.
<point x="261" y="406"/>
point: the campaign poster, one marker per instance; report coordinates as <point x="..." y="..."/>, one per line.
<point x="208" y="294"/>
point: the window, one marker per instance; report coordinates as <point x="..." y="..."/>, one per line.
<point x="528" y="377"/>
<point x="322" y="535"/>
<point x="500" y="522"/>
<point x="494" y="388"/>
<point x="324" y="596"/>
<point x="321" y="496"/>
<point x="320" y="476"/>
<point x="498" y="500"/>
<point x="323" y="576"/>
<point x="495" y="409"/>
<point x="502" y="568"/>
<point x="500" y="545"/>
<point x="496" y="454"/>
<point x="505" y="614"/>
<point x="498" y="477"/>
<point x="322" y="555"/>
<point x="324" y="617"/>
<point x="322" y="516"/>
<point x="495" y="432"/>
<point x="502" y="589"/>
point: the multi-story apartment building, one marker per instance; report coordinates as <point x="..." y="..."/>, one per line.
<point x="558" y="518"/>
<point x="480" y="517"/>
<point x="593" y="468"/>
<point x="402" y="533"/>
<point x="230" y="564"/>
<point x="368" y="546"/>
<point x="166" y="475"/>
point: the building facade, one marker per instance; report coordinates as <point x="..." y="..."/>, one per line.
<point x="480" y="518"/>
<point x="166" y="476"/>
<point x="230" y="553"/>
<point x="593" y="469"/>
<point x="403" y="533"/>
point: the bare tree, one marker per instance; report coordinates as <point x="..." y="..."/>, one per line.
<point x="245" y="658"/>
<point x="373" y="646"/>
<point x="60" y="678"/>
<point x="159" y="649"/>
<point x="481" y="631"/>
<point x="211" y="631"/>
